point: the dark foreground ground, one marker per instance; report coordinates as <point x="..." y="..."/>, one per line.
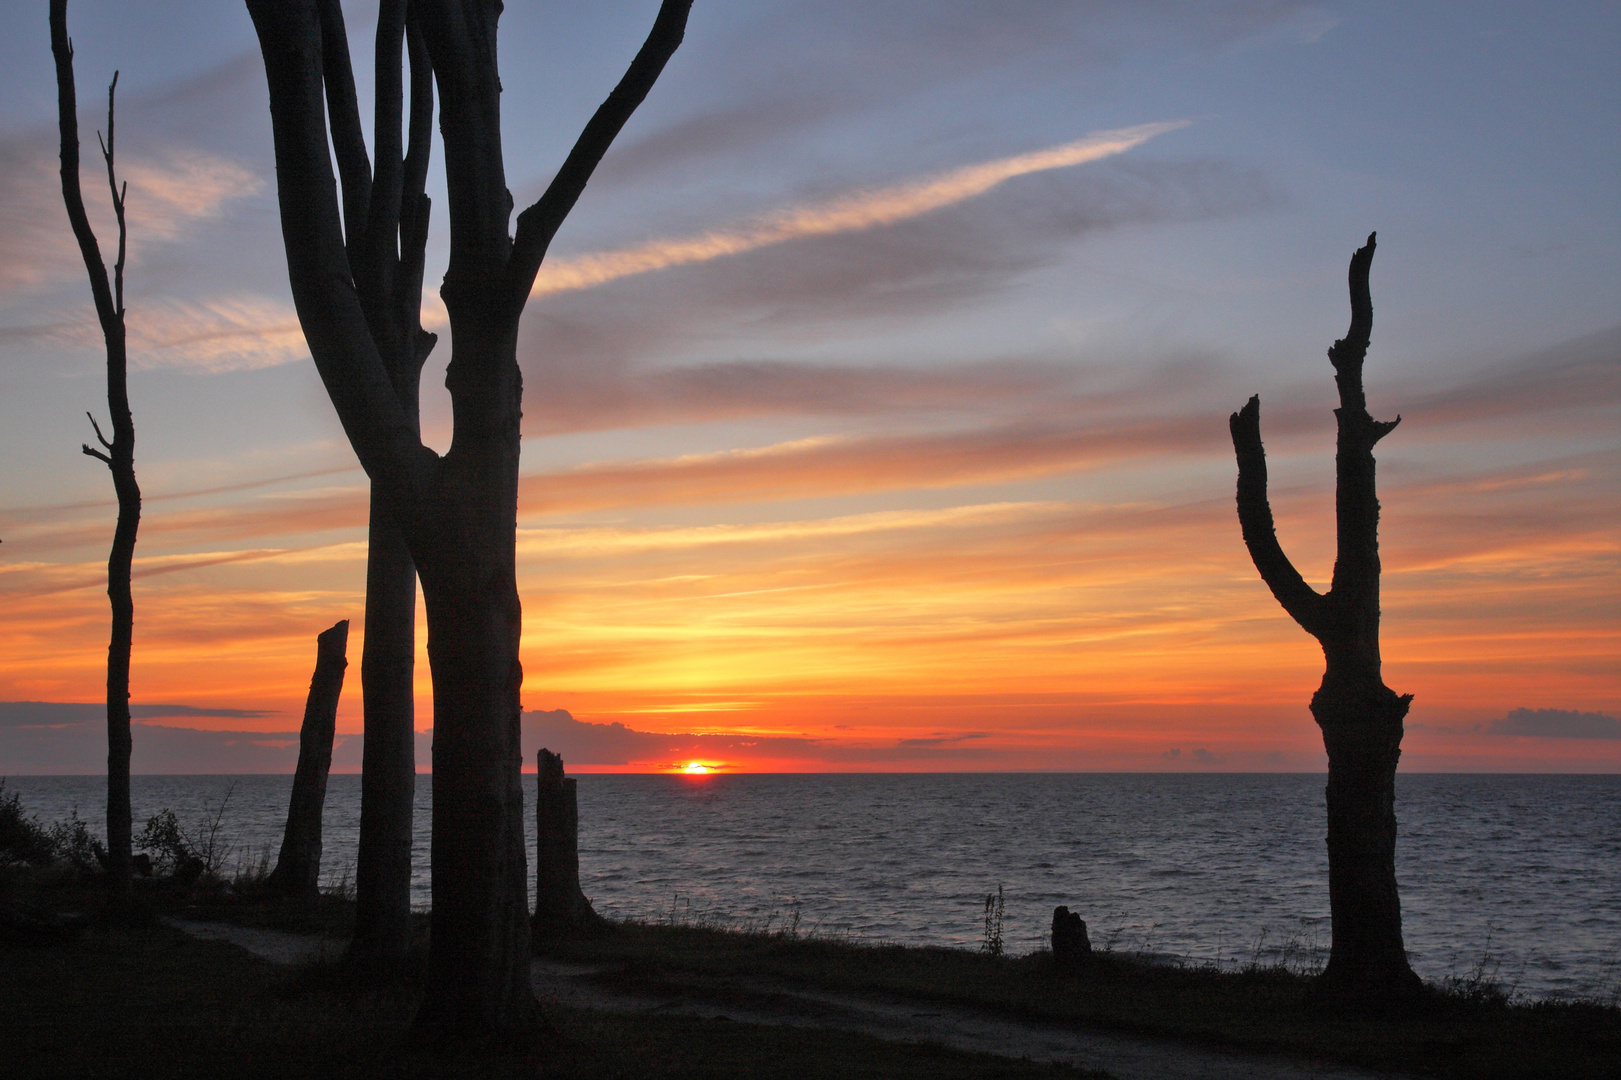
<point x="156" y="1002"/>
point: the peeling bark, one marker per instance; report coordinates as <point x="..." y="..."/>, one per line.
<point x="1360" y="717"/>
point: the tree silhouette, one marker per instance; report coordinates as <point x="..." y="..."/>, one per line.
<point x="297" y="874"/>
<point x="1361" y="717"/>
<point x="386" y="260"/>
<point x="118" y="455"/>
<point x="457" y="512"/>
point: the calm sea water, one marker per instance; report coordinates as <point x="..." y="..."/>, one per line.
<point x="1519" y="871"/>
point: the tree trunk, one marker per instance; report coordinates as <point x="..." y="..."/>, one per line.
<point x="387" y="263"/>
<point x="478" y="960"/>
<point x="1360" y="717"/>
<point x="388" y="755"/>
<point x="298" y="869"/>
<point x="457" y="513"/>
<point x="561" y="907"/>
<point x="118" y="455"/>
<point x="119" y="741"/>
<point x="1362" y="732"/>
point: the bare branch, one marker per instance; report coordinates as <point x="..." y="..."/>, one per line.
<point x="93" y="452"/>
<point x="102" y="439"/>
<point x="348" y="139"/>
<point x="421" y="137"/>
<point x="381" y="247"/>
<point x="67" y="113"/>
<point x="1348" y="353"/>
<point x="415" y="206"/>
<point x="1304" y="604"/>
<point x="118" y="199"/>
<point x="328" y="307"/>
<point x="1355" y="585"/>
<point x="540" y="222"/>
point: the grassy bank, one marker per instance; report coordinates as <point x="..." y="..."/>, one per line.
<point x="1474" y="1034"/>
<point x="156" y="1003"/>
<point x="149" y="1001"/>
<point x="160" y="1004"/>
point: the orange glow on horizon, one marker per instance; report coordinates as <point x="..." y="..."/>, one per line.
<point x="1092" y="621"/>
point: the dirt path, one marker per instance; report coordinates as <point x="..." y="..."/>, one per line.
<point x="277" y="946"/>
<point x="765" y="1001"/>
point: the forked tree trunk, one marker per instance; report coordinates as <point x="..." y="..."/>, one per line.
<point x="1360" y="717"/>
<point x="561" y="907"/>
<point x="298" y="870"/>
<point x="457" y="513"/>
<point x="118" y="455"/>
<point x="388" y="279"/>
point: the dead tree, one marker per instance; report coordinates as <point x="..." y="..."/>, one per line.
<point x="1361" y="717"/>
<point x="561" y="907"/>
<point x="457" y="512"/>
<point x="118" y="455"/>
<point x="386" y="266"/>
<point x="298" y="868"/>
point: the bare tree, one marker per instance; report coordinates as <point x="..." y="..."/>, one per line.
<point x="118" y="455"/>
<point x="457" y="512"/>
<point x="386" y="264"/>
<point x="1361" y="717"/>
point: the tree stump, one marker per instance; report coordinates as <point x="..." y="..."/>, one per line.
<point x="1071" y="946"/>
<point x="298" y="868"/>
<point x="560" y="905"/>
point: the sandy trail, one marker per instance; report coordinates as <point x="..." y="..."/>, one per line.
<point x="772" y="1002"/>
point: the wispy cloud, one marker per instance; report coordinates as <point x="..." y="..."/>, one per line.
<point x="823" y="466"/>
<point x="183" y="186"/>
<point x="851" y="213"/>
<point x="600" y="396"/>
<point x="230" y="333"/>
<point x="239" y="332"/>
<point x="166" y="193"/>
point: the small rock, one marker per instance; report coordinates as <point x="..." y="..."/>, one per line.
<point x="1071" y="946"/>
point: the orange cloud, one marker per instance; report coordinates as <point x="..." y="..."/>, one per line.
<point x="852" y="213"/>
<point x="167" y="194"/>
<point x="818" y="467"/>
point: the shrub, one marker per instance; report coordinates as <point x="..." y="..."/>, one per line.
<point x="187" y="855"/>
<point x="164" y="841"/>
<point x="994" y="909"/>
<point x="72" y="842"/>
<point x="22" y="839"/>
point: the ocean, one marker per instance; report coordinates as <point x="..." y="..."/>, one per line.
<point x="1513" y="877"/>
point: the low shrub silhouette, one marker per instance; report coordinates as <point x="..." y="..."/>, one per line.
<point x="22" y="838"/>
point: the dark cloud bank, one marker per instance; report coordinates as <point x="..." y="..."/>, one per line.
<point x="1558" y="724"/>
<point x="50" y="738"/>
<point x="53" y="738"/>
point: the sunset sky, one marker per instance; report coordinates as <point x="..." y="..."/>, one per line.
<point x="877" y="389"/>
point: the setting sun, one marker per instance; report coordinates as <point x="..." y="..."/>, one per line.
<point x="695" y="768"/>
